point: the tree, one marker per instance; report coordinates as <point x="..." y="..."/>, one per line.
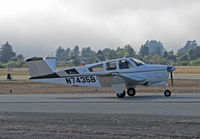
<point x="67" y="52"/>
<point x="14" y="58"/>
<point x="189" y="45"/>
<point x="156" y="59"/>
<point x="157" y="51"/>
<point x="190" y="53"/>
<point x="100" y="55"/>
<point x="87" y="52"/>
<point x="76" y="51"/>
<point x="183" y="57"/>
<point x="76" y="61"/>
<point x="195" y="62"/>
<point x="155" y="47"/>
<point x="109" y="53"/>
<point x="171" y="57"/>
<point x="112" y="54"/>
<point x="165" y="55"/>
<point x="60" y="53"/>
<point x="129" y="49"/>
<point x="20" y="56"/>
<point x="120" y="52"/>
<point x="87" y="55"/>
<point x="144" y="51"/>
<point x="6" y="53"/>
<point x="194" y="53"/>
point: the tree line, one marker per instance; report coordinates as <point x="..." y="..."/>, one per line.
<point x="9" y="59"/>
<point x="152" y="52"/>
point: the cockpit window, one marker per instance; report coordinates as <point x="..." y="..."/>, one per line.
<point x="137" y="62"/>
<point x="71" y="71"/>
<point x="96" y="68"/>
<point x="124" y="64"/>
<point x="111" y="65"/>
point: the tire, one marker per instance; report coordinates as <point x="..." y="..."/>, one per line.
<point x="167" y="93"/>
<point x="121" y="95"/>
<point x="131" y="92"/>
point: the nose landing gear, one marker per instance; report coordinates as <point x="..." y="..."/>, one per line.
<point x="167" y="92"/>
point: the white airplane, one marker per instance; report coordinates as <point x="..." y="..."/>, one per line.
<point x="121" y="74"/>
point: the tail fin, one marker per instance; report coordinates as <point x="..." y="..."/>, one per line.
<point x="39" y="66"/>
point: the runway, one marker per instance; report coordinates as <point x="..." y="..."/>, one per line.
<point x="142" y="103"/>
<point x="83" y="116"/>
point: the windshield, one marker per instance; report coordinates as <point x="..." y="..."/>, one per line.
<point x="137" y="62"/>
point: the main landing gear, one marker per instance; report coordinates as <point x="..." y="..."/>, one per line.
<point x="130" y="92"/>
<point x="122" y="94"/>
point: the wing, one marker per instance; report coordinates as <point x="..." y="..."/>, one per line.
<point x="107" y="80"/>
<point x="132" y="79"/>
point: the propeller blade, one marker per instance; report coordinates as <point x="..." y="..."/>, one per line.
<point x="172" y="78"/>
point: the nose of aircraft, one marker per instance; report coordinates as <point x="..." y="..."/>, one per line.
<point x="171" y="68"/>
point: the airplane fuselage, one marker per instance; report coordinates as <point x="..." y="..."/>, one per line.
<point x="117" y="73"/>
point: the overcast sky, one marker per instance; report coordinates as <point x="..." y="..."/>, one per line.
<point x="38" y="27"/>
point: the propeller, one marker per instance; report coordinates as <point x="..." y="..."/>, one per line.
<point x="171" y="69"/>
<point x="172" y="82"/>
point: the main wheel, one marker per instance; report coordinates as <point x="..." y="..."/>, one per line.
<point x="121" y="95"/>
<point x="167" y="93"/>
<point x="131" y="92"/>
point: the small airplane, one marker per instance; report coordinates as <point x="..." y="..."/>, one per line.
<point x="122" y="74"/>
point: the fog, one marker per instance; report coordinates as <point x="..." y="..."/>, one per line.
<point x="37" y="28"/>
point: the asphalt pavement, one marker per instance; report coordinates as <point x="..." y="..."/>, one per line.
<point x="142" y="103"/>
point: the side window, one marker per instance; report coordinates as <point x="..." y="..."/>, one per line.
<point x="124" y="64"/>
<point x="96" y="68"/>
<point x="111" y="65"/>
<point x="71" y="71"/>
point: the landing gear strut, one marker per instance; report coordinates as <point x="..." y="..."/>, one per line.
<point x="131" y="92"/>
<point x="122" y="94"/>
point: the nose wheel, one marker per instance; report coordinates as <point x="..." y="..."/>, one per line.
<point x="167" y="93"/>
